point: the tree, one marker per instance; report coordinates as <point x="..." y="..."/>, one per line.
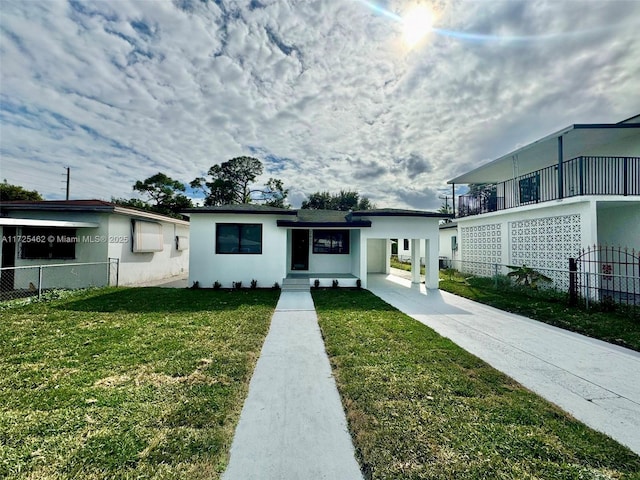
<point x="9" y="192"/>
<point x="344" y="201"/>
<point x="131" y="202"/>
<point x="163" y="191"/>
<point x="232" y="181"/>
<point x="447" y="209"/>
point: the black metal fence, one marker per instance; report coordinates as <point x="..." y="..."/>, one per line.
<point x="578" y="176"/>
<point x="605" y="274"/>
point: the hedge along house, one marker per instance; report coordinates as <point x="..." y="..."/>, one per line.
<point x="147" y="246"/>
<point x="241" y="243"/>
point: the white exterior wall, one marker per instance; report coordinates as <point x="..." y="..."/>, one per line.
<point x="376" y="251"/>
<point x="445" y="250"/>
<point x="207" y="267"/>
<point x="137" y="268"/>
<point x="619" y="224"/>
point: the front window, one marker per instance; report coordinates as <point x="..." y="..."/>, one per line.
<point x="331" y="241"/>
<point x="48" y="243"/>
<point x="239" y="238"/>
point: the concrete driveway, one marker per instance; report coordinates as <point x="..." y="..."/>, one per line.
<point x="596" y="382"/>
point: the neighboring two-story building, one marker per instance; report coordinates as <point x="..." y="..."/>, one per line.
<point x="544" y="203"/>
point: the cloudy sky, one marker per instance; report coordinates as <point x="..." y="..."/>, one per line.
<point x="328" y="94"/>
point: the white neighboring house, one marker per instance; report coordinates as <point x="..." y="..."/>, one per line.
<point x="575" y="188"/>
<point x="449" y="247"/>
<point x="148" y="246"/>
<point x="240" y="243"/>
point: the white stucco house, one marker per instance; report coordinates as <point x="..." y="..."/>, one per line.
<point x="145" y="245"/>
<point x="548" y="200"/>
<point x="449" y="248"/>
<point x="240" y="243"/>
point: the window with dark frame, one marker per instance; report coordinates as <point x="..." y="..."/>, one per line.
<point x="48" y="243"/>
<point x="406" y="244"/>
<point x="530" y="189"/>
<point x="239" y="238"/>
<point x="331" y="241"/>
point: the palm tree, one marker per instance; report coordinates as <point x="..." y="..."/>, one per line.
<point x="527" y="276"/>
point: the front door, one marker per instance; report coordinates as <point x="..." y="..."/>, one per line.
<point x="299" y="249"/>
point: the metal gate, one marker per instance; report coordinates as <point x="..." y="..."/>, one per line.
<point x="605" y="274"/>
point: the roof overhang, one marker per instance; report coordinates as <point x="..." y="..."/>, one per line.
<point x="29" y="222"/>
<point x="342" y="225"/>
<point x="577" y="140"/>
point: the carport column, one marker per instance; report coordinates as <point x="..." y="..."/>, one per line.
<point x="415" y="260"/>
<point x="387" y="261"/>
<point x="431" y="263"/>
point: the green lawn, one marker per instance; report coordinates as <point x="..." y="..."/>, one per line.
<point x="614" y="324"/>
<point x="127" y="383"/>
<point x="419" y="407"/>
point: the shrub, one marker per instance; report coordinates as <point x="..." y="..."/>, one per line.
<point x="217" y="285"/>
<point x="196" y="285"/>
<point x="276" y="286"/>
<point x="335" y="283"/>
<point x="527" y="276"/>
<point x="254" y="284"/>
<point x="316" y="283"/>
<point x="359" y="283"/>
<point x="236" y="285"/>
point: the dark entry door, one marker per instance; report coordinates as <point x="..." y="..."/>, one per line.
<point x="300" y="250"/>
<point x="8" y="257"/>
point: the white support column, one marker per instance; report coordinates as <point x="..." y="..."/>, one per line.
<point x="387" y="260"/>
<point x="363" y="260"/>
<point x="415" y="260"/>
<point x="431" y="262"/>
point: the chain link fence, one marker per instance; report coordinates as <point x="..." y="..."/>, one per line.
<point x="28" y="281"/>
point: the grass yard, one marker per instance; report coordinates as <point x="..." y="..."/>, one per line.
<point x="619" y="325"/>
<point x="419" y="407"/>
<point x="127" y="383"/>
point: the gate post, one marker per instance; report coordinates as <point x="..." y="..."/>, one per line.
<point x="573" y="284"/>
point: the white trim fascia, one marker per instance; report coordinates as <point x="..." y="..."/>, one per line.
<point x="153" y="216"/>
<point x="31" y="222"/>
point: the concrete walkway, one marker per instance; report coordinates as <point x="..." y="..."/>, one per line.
<point x="292" y="424"/>
<point x="596" y="382"/>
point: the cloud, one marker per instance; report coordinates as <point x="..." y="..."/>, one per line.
<point x="323" y="92"/>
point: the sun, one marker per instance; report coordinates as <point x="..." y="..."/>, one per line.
<point x="417" y="23"/>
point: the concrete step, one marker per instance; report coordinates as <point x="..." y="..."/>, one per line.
<point x="295" y="285"/>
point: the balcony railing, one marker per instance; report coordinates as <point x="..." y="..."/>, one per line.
<point x="579" y="176"/>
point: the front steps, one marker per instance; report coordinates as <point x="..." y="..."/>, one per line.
<point x="296" y="285"/>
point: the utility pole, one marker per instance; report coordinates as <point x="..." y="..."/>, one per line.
<point x="446" y="201"/>
<point x="68" y="180"/>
